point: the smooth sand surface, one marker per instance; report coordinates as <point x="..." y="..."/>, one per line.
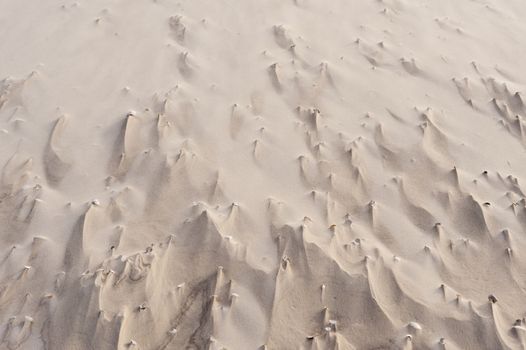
<point x="262" y="174"/>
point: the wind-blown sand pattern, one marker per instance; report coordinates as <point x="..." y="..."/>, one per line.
<point x="280" y="174"/>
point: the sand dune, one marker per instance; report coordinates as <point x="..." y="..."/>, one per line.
<point x="276" y="175"/>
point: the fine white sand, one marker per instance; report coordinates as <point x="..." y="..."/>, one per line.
<point x="262" y="174"/>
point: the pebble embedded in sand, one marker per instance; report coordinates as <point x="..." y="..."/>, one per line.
<point x="285" y="261"/>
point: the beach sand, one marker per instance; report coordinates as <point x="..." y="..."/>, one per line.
<point x="247" y="174"/>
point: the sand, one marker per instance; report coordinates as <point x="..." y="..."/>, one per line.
<point x="247" y="174"/>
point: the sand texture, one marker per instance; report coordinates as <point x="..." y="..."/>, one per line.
<point x="262" y="174"/>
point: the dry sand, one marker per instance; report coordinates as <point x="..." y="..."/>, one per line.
<point x="248" y="174"/>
